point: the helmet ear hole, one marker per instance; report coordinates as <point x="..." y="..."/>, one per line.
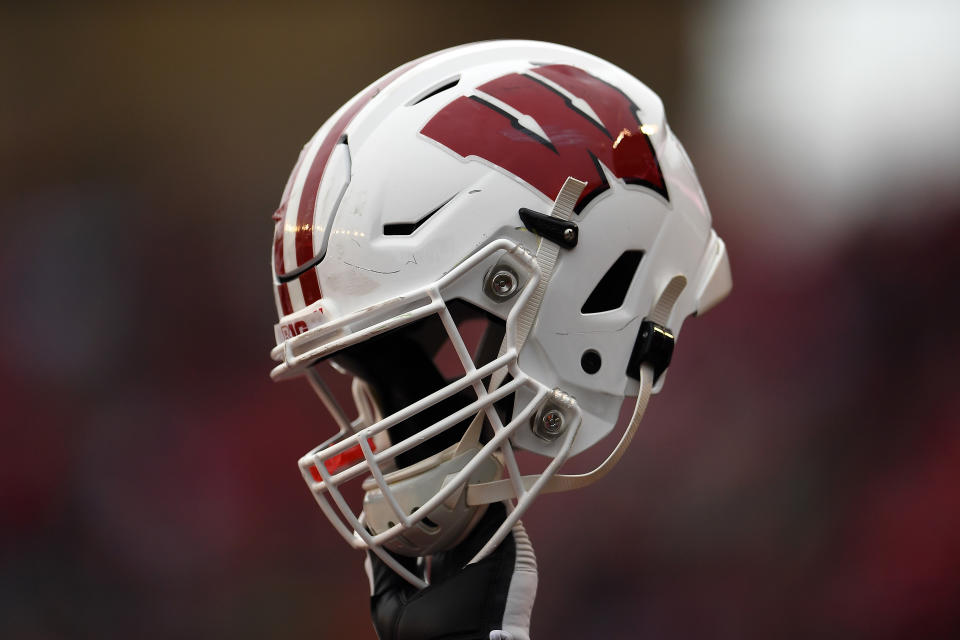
<point x="590" y="361"/>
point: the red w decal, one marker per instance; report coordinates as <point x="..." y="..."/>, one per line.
<point x="576" y="144"/>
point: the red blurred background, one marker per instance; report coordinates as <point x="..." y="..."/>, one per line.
<point x="799" y="476"/>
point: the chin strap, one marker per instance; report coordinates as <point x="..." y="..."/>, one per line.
<point x="546" y="257"/>
<point x="547" y="253"/>
<point x="498" y="490"/>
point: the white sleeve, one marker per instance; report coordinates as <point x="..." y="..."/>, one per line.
<point x="522" y="592"/>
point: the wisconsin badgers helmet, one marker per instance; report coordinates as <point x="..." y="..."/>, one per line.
<point x="520" y="210"/>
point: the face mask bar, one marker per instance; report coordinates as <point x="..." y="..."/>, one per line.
<point x="359" y="537"/>
<point x="358" y="434"/>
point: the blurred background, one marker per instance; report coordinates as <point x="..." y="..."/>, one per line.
<point x="798" y="477"/>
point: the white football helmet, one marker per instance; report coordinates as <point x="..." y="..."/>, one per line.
<point x="528" y="186"/>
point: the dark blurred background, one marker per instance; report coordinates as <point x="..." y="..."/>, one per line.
<point x="798" y="477"/>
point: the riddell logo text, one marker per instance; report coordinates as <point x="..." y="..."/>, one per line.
<point x="576" y="143"/>
<point x="293" y="329"/>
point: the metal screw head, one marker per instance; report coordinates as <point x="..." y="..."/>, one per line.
<point x="551" y="422"/>
<point x="503" y="283"/>
<point x="569" y="234"/>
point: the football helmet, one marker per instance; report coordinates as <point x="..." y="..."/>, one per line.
<point x="529" y="194"/>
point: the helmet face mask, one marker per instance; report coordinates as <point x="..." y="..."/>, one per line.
<point x="397" y="234"/>
<point x="436" y="444"/>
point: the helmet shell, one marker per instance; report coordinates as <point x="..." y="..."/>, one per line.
<point x="394" y="190"/>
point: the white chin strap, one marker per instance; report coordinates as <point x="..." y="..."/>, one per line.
<point x="546" y="257"/>
<point x="547" y="253"/>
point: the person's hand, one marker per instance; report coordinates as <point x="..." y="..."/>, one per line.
<point x="489" y="600"/>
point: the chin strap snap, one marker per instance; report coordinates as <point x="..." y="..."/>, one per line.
<point x="498" y="490"/>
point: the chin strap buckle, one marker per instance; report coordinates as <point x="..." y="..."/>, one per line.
<point x="654" y="346"/>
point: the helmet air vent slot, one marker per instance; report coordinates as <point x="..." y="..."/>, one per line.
<point x="407" y="228"/>
<point x="611" y="291"/>
<point x="447" y="84"/>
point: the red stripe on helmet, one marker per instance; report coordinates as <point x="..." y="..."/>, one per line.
<point x="280" y="215"/>
<point x="308" y="198"/>
<point x="310" y="284"/>
<point x="278" y="267"/>
<point x="285" y="304"/>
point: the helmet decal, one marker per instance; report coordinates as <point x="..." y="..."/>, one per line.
<point x="576" y="144"/>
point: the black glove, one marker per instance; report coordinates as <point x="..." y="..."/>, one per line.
<point x="489" y="600"/>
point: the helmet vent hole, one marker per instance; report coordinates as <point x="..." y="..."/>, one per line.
<point x="590" y="361"/>
<point x="611" y="291"/>
<point x="407" y="228"/>
<point x="448" y="84"/>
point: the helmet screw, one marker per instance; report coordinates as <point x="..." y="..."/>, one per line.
<point x="552" y="422"/>
<point x="501" y="283"/>
<point x="569" y="234"/>
<point x="548" y="424"/>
